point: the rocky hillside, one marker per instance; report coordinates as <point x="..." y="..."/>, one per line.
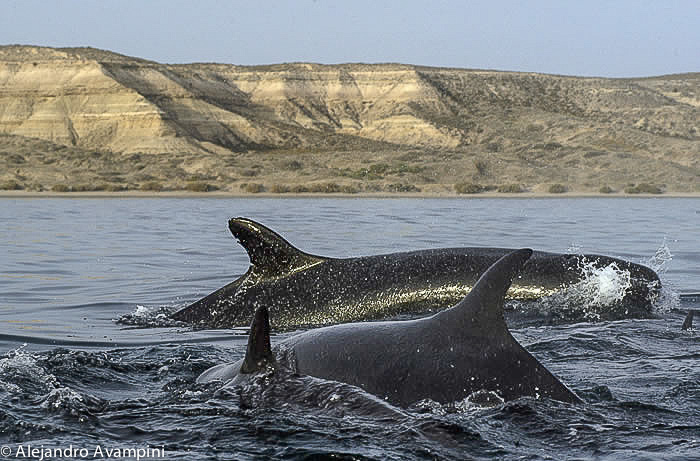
<point x="81" y="117"/>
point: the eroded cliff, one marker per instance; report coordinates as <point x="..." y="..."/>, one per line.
<point x="418" y="126"/>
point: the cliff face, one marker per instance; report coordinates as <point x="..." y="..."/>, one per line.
<point x="97" y="100"/>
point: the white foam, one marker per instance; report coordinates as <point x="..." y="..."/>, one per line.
<point x="151" y="316"/>
<point x="473" y="403"/>
<point x="21" y="372"/>
<point x="660" y="262"/>
<point x="599" y="288"/>
<point x="141" y="311"/>
<point x="22" y="367"/>
<point x="605" y="285"/>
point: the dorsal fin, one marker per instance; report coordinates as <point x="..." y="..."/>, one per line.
<point x="259" y="353"/>
<point x="688" y="322"/>
<point x="483" y="306"/>
<point x="269" y="253"/>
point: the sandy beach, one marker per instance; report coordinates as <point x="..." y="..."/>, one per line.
<point x="361" y="195"/>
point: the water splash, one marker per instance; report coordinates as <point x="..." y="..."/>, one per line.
<point x="473" y="403"/>
<point x="15" y="363"/>
<point x="151" y="316"/>
<point x="603" y="286"/>
<point x="597" y="296"/>
<point x="21" y="373"/>
<point x="598" y="292"/>
<point x="660" y="261"/>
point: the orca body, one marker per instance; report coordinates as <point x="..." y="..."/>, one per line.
<point x="304" y="290"/>
<point x="447" y="357"/>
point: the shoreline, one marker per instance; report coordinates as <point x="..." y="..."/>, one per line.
<point x="374" y="195"/>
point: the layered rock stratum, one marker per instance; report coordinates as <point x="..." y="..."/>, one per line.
<point x="76" y="118"/>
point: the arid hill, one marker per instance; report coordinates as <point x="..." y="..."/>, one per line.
<point x="85" y="119"/>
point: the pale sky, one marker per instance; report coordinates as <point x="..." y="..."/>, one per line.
<point x="576" y="37"/>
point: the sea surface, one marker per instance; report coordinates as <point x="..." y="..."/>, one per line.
<point x="83" y="368"/>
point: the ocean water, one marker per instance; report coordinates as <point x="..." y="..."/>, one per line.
<point x="73" y="377"/>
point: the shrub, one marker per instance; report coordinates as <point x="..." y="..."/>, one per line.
<point x="11" y="185"/>
<point x="15" y="158"/>
<point x="200" y="178"/>
<point x="349" y="189"/>
<point x="279" y="189"/>
<point x="88" y="187"/>
<point x="292" y="165"/>
<point x="152" y="186"/>
<point x="378" y="168"/>
<point x="557" y="189"/>
<point x="60" y="188"/>
<point x="468" y="188"/>
<point x="254" y="188"/>
<point x="115" y="188"/>
<point x="606" y="190"/>
<point x="325" y="188"/>
<point x="401" y="188"/>
<point x="403" y="168"/>
<point x="363" y="173"/>
<point x="550" y="146"/>
<point x="371" y="187"/>
<point x="299" y="189"/>
<point x="481" y="166"/>
<point x="643" y="188"/>
<point x="249" y="173"/>
<point x="410" y="157"/>
<point x="510" y="188"/>
<point x="492" y="147"/>
<point x="198" y="186"/>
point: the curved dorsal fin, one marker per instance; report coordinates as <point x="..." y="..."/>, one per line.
<point x="259" y="353"/>
<point x="269" y="253"/>
<point x="483" y="306"/>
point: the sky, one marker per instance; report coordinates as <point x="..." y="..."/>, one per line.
<point x="626" y="38"/>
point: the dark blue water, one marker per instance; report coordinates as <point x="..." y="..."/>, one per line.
<point x="71" y="375"/>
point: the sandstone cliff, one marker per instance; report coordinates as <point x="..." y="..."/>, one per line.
<point x="363" y="127"/>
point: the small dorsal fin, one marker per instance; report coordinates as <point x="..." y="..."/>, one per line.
<point x="269" y="253"/>
<point x="483" y="306"/>
<point x="259" y="353"/>
<point x="688" y="322"/>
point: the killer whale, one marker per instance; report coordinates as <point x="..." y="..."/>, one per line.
<point x="303" y="290"/>
<point x="446" y="357"/>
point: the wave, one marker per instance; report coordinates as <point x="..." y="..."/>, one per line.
<point x="601" y="295"/>
<point x="152" y="316"/>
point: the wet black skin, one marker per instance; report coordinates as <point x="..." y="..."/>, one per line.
<point x="445" y="357"/>
<point x="304" y="290"/>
